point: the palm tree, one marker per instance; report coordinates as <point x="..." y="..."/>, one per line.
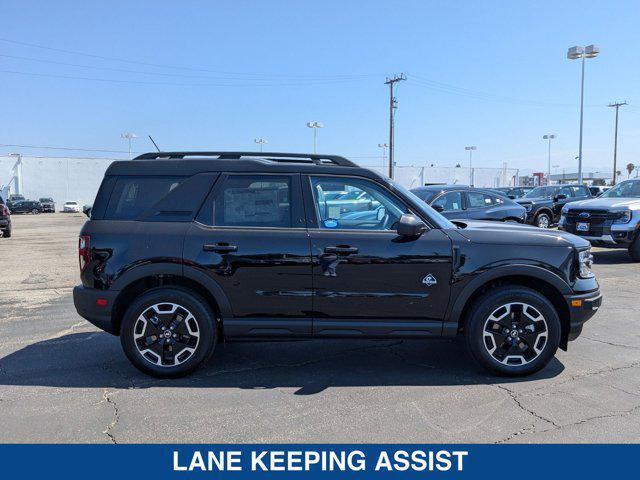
<point x="630" y="168"/>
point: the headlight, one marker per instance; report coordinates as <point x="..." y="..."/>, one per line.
<point x="564" y="210"/>
<point x="585" y="260"/>
<point x="623" y="217"/>
<point x="528" y="206"/>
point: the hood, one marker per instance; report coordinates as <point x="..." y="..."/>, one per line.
<point x="607" y="203"/>
<point x="522" y="200"/>
<point x="498" y="233"/>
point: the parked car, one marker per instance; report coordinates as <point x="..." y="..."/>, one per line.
<point x="48" y="205"/>
<point x="458" y="202"/>
<point x="544" y="204"/>
<point x="71" y="207"/>
<point x="225" y="245"/>
<point x="5" y="219"/>
<point x="14" y="198"/>
<point x="611" y="220"/>
<point x="597" y="190"/>
<point x="27" y="206"/>
<point x="513" y="192"/>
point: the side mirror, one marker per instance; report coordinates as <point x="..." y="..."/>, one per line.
<point x="512" y="197"/>
<point x="438" y="208"/>
<point x="410" y="226"/>
<point x="560" y="196"/>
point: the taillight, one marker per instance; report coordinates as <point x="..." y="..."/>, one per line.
<point x="5" y="211"/>
<point x="84" y="250"/>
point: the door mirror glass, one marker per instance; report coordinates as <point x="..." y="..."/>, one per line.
<point x="410" y="226"/>
<point x="437" y="207"/>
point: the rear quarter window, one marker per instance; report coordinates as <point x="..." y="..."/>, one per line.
<point x="132" y="196"/>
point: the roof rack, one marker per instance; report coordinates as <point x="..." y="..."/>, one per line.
<point x="272" y="156"/>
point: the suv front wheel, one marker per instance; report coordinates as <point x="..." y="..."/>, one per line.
<point x="513" y="331"/>
<point x="543" y="220"/>
<point x="168" y="332"/>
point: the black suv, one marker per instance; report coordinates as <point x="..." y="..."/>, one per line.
<point x="184" y="249"/>
<point x="27" y="206"/>
<point x="544" y="204"/>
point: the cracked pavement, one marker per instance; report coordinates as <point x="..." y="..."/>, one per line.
<point x="62" y="380"/>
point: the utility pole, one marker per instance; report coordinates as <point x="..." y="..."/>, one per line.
<point x="617" y="105"/>
<point x="392" y="106"/>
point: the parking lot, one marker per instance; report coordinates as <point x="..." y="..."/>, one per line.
<point x="62" y="380"/>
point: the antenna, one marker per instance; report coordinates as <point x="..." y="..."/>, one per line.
<point x="153" y="141"/>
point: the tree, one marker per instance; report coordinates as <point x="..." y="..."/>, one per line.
<point x="630" y="168"/>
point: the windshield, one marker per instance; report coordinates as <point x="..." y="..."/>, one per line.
<point x="543" y="192"/>
<point x="441" y="221"/>
<point x="626" y="189"/>
<point x="46" y="200"/>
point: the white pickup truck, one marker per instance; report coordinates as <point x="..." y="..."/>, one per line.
<point x="611" y="220"/>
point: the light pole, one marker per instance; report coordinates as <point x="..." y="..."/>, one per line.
<point x="315" y="126"/>
<point x="549" y="138"/>
<point x="260" y="141"/>
<point x="470" y="149"/>
<point x="129" y="136"/>
<point x="590" y="51"/>
<point x="384" y="147"/>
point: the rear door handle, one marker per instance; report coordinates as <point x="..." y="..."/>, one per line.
<point x="341" y="250"/>
<point x="220" y="248"/>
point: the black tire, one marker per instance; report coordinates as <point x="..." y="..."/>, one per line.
<point x="634" y="249"/>
<point x="35" y="211"/>
<point x="482" y="337"/>
<point x="543" y="220"/>
<point x="6" y="233"/>
<point x="152" y="363"/>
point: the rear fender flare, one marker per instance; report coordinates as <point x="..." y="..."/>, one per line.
<point x="176" y="270"/>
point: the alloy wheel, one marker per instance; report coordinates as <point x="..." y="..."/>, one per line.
<point x="515" y="334"/>
<point x="166" y="334"/>
<point x="543" y="221"/>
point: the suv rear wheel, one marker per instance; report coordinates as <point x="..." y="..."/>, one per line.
<point x="168" y="332"/>
<point x="513" y="331"/>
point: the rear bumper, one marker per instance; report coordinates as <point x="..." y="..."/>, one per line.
<point x="4" y="223"/>
<point x="86" y="302"/>
<point x="581" y="308"/>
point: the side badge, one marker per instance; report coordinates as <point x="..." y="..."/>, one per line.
<point x="429" y="280"/>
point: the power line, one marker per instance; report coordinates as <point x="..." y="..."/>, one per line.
<point x="172" y="67"/>
<point x="72" y="149"/>
<point x="177" y="84"/>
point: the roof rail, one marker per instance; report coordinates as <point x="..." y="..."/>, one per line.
<point x="273" y="156"/>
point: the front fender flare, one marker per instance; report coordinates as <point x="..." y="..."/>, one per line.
<point x="454" y="313"/>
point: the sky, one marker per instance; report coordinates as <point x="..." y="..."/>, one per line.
<point x="217" y="74"/>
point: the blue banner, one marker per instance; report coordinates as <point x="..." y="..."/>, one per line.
<point x="519" y="462"/>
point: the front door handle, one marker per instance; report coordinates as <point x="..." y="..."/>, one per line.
<point x="341" y="250"/>
<point x="220" y="248"/>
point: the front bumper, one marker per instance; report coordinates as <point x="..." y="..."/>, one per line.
<point x="86" y="302"/>
<point x="582" y="307"/>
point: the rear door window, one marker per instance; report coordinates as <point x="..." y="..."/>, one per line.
<point x="479" y="200"/>
<point x="254" y="201"/>
<point x="134" y="195"/>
